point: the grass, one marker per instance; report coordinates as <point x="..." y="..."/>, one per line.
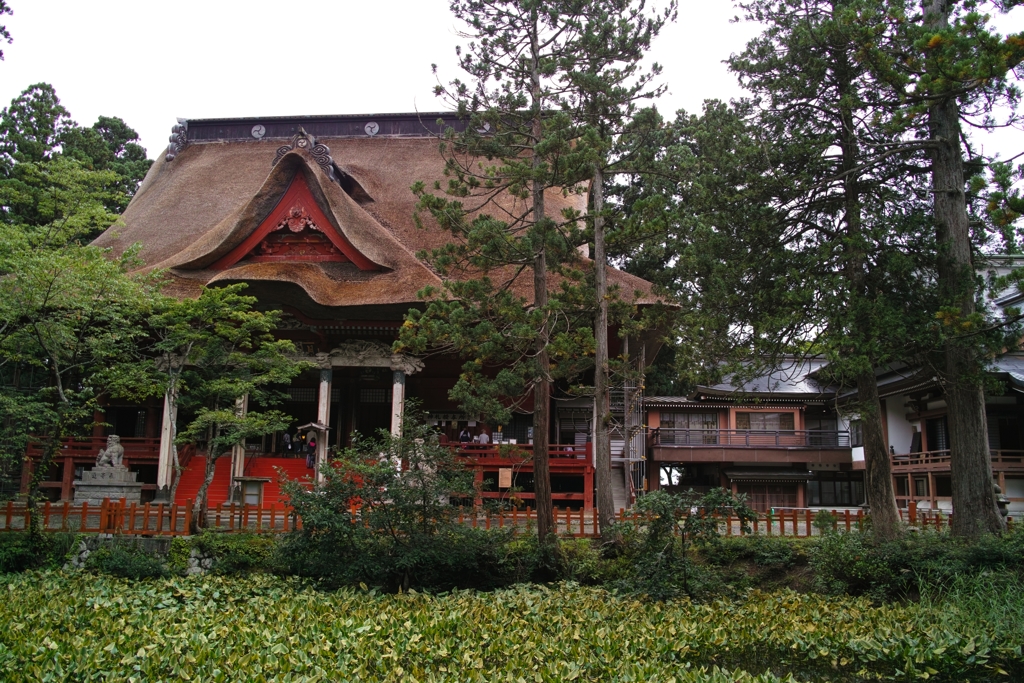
<point x="78" y="627"/>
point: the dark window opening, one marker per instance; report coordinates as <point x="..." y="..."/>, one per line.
<point x="856" y="433"/>
<point x="920" y="487"/>
<point x="938" y="434"/>
<point x="836" y="492"/>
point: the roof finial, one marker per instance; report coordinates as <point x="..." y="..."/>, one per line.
<point x="320" y="153"/>
<point x="178" y="139"/>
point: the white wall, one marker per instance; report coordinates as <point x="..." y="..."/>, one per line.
<point x="844" y="425"/>
<point x="900" y="431"/>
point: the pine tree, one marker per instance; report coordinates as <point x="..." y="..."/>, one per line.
<point x="605" y="87"/>
<point x="516" y="148"/>
<point x="958" y="65"/>
<point x="852" y="197"/>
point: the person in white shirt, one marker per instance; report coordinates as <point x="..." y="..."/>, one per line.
<point x="484" y="438"/>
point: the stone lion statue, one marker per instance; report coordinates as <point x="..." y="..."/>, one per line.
<point x="112" y="454"/>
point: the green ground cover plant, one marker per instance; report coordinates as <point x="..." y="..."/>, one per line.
<point x="79" y="627"/>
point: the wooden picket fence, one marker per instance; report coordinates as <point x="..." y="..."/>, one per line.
<point x="158" y="519"/>
<point x="110" y="517"/>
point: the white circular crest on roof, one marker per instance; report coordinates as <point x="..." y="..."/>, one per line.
<point x="258" y="131"/>
<point x="371" y="128"/>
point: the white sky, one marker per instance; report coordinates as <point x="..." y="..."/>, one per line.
<point x="149" y="62"/>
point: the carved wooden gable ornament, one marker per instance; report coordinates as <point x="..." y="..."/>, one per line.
<point x="296" y="230"/>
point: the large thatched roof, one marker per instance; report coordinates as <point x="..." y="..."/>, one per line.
<point x="219" y="182"/>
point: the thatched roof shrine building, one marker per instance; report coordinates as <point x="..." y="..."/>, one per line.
<point x="316" y="215"/>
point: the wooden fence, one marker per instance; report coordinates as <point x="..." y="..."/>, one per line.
<point x="110" y="517"/>
<point x="149" y="519"/>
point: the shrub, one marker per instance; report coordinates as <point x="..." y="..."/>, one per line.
<point x="126" y="559"/>
<point x="582" y="562"/>
<point x="825" y="521"/>
<point x="237" y="553"/>
<point x="771" y="552"/>
<point x="846" y="563"/>
<point x="659" y="549"/>
<point x="382" y="516"/>
<point x="854" y="564"/>
<point x="16" y="553"/>
<point x="177" y="556"/>
<point x="20" y="551"/>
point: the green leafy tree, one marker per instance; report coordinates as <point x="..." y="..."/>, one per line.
<point x="4" y="33"/>
<point x="209" y="355"/>
<point x="960" y="67"/>
<point x="37" y="133"/>
<point x="70" y="329"/>
<point x="857" y="103"/>
<point x="110" y="145"/>
<point x="31" y="126"/>
<point x="74" y="315"/>
<point x="851" y="203"/>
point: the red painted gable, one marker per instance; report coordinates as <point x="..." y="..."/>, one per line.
<point x="296" y="230"/>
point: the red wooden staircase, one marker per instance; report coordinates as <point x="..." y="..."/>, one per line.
<point x="266" y="467"/>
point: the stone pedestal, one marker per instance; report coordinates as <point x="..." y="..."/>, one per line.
<point x="108" y="481"/>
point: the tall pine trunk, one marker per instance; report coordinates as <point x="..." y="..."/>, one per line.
<point x="975" y="511"/>
<point x="542" y="386"/>
<point x="878" y="489"/>
<point x="885" y="516"/>
<point x="602" y="443"/>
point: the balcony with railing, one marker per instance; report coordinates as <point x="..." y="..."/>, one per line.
<point x="939" y="461"/>
<point x="571" y="467"/>
<point x="750" y="445"/>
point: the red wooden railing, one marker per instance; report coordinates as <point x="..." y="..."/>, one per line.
<point x="110" y="517"/>
<point x="135" y="448"/>
<point x="938" y="461"/>
<point x="747" y="438"/>
<point x="506" y="451"/>
<point x="149" y="519"/>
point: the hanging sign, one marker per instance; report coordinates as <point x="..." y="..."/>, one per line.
<point x="505" y="478"/>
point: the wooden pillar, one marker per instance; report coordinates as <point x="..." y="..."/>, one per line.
<point x="588" y="488"/>
<point x="932" y="503"/>
<point x="165" y="464"/>
<point x="238" y="454"/>
<point x="801" y="494"/>
<point x="27" y="465"/>
<point x="151" y="429"/>
<point x="67" y="481"/>
<point x="323" y="416"/>
<point x="478" y="482"/>
<point x="397" y="402"/>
